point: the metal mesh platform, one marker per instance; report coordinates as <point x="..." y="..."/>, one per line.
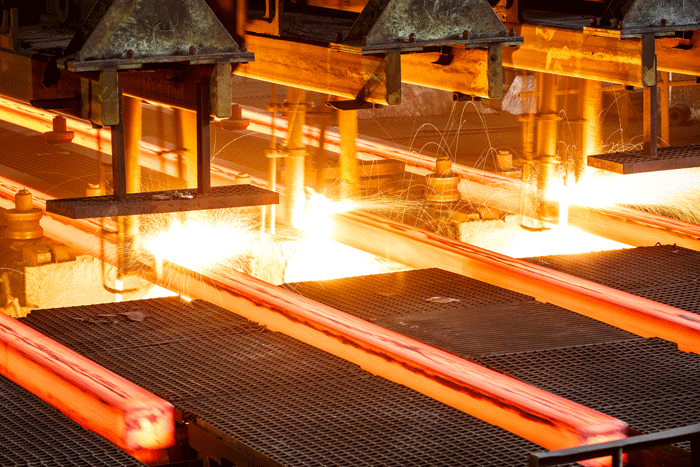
<point x="462" y="315"/>
<point x="230" y="196"/>
<point x="665" y="273"/>
<point x="291" y="403"/>
<point x="35" y="434"/>
<point x="631" y="162"/>
<point x="648" y="383"/>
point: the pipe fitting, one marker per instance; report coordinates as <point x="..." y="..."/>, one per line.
<point x="23" y="220"/>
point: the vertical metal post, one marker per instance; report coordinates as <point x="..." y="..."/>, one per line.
<point x="591" y="134"/>
<point x="118" y="155"/>
<point x="617" y="458"/>
<point x="651" y="101"/>
<point x="294" y="173"/>
<point x="663" y="106"/>
<point x="132" y="122"/>
<point x="186" y="138"/>
<point x="695" y="451"/>
<point x="651" y="112"/>
<point x="203" y="139"/>
<point x="349" y="168"/>
<point x="547" y="136"/>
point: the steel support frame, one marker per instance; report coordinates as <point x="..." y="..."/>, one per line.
<point x="349" y="75"/>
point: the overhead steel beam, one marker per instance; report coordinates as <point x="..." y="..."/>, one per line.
<point x="672" y="58"/>
<point x="573" y="53"/>
<point x="348" y="75"/>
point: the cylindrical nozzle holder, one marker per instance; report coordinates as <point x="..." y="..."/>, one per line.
<point x="443" y="166"/>
<point x="242" y="179"/>
<point x="23" y="220"/>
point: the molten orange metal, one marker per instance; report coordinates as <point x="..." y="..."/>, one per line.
<point x="130" y="417"/>
<point x="546" y="419"/>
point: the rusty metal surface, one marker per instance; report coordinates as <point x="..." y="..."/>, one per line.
<point x="392" y="21"/>
<point x="231" y="196"/>
<point x="283" y="399"/>
<point x="652" y="13"/>
<point x="34" y="433"/>
<point x="630" y="162"/>
<point x="154" y="31"/>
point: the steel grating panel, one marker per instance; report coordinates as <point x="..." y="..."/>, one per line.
<point x="293" y="404"/>
<point x="35" y="434"/>
<point x="229" y="196"/>
<point x="648" y="383"/>
<point x="631" y="162"/>
<point x="477" y="318"/>
<point x="376" y="296"/>
<point x="665" y="273"/>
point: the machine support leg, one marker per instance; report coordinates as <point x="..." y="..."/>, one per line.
<point x="349" y="168"/>
<point x="118" y="156"/>
<point x="591" y="106"/>
<point x="203" y="139"/>
<point x="547" y="136"/>
<point x="651" y="127"/>
<point x="186" y="134"/>
<point x="663" y="107"/>
<point x="132" y="122"/>
<point x="294" y="171"/>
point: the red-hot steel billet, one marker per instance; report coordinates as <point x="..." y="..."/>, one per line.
<point x="101" y="401"/>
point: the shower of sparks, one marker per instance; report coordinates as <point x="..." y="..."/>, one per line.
<point x="218" y="240"/>
<point x="510" y="239"/>
<point x="672" y="192"/>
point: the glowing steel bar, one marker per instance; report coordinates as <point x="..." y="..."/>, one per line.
<point x="420" y="249"/>
<point x="127" y="415"/>
<point x="548" y="420"/>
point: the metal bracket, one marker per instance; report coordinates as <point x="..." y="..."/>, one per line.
<point x="99" y="99"/>
<point x="354" y="104"/>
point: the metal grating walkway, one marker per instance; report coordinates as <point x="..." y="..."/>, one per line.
<point x="665" y="273"/>
<point x="648" y="383"/>
<point x="35" y="434"/>
<point x="632" y="162"/>
<point x="293" y="404"/>
<point x="462" y="315"/>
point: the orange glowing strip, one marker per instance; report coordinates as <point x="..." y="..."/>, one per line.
<point x="419" y="248"/>
<point x="548" y="420"/>
<point x="128" y="416"/>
